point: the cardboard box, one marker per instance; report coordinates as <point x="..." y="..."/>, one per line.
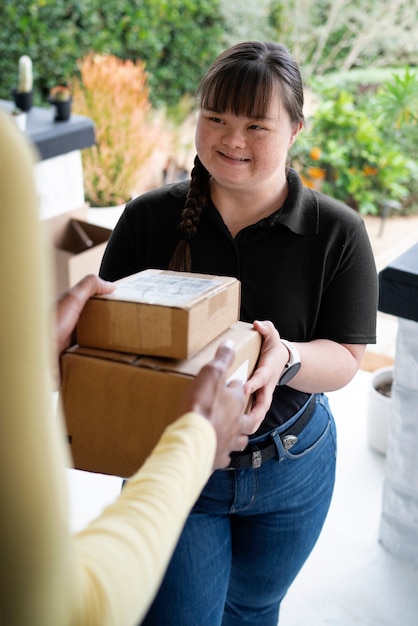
<point x="78" y="247"/>
<point x="161" y="313"/>
<point x="117" y="405"/>
<point x="56" y="226"/>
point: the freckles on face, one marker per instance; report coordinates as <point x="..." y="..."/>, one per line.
<point x="237" y="148"/>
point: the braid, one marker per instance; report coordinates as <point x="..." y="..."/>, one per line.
<point x="195" y="201"/>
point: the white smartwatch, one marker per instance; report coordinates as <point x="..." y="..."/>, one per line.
<point x="292" y="366"/>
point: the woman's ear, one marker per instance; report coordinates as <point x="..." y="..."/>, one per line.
<point x="296" y="128"/>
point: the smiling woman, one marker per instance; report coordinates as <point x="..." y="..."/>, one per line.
<point x="307" y="275"/>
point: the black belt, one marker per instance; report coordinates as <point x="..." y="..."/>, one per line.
<point x="254" y="455"/>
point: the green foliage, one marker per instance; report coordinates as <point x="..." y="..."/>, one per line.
<point x="398" y="102"/>
<point x="177" y="39"/>
<point x="336" y="35"/>
<point x="397" y="111"/>
<point x="30" y="27"/>
<point x="353" y="149"/>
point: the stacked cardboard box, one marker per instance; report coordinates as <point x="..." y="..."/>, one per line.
<point x="161" y="313"/>
<point x="139" y="348"/>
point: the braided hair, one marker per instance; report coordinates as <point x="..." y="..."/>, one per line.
<point x="195" y="201"/>
<point x="241" y="81"/>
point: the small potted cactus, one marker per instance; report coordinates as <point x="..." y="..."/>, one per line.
<point x="22" y="95"/>
<point x="60" y="97"/>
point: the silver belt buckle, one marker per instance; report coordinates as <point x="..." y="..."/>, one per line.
<point x="256" y="459"/>
<point x="288" y="441"/>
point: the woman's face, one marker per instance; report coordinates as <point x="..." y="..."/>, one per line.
<point x="240" y="152"/>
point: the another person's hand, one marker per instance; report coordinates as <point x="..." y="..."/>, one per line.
<point x="71" y="303"/>
<point x="223" y="405"/>
<point x="273" y="357"/>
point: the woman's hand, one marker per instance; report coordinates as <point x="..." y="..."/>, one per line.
<point x="223" y="405"/>
<point x="273" y="357"/>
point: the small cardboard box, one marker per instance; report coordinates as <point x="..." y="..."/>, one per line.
<point x="160" y="313"/>
<point x="116" y="405"/>
<point x="78" y="247"/>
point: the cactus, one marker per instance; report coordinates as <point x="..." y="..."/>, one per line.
<point x="25" y="74"/>
<point x="60" y="93"/>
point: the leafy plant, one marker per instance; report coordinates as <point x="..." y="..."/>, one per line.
<point x="340" y="35"/>
<point x="397" y="112"/>
<point x="115" y="95"/>
<point x="349" y="154"/>
<point x="177" y="40"/>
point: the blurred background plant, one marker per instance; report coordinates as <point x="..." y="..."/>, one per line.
<point x="364" y="124"/>
<point x="176" y="39"/>
<point x="358" y="147"/>
<point x="115" y="95"/>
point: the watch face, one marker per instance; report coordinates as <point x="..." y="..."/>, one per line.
<point x="287" y="376"/>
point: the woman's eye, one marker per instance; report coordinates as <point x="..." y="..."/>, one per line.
<point x="256" y="127"/>
<point x="216" y="119"/>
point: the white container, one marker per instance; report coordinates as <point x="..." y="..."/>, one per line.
<point x="20" y="120"/>
<point x="379" y="410"/>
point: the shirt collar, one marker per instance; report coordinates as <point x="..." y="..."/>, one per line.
<point x="300" y="211"/>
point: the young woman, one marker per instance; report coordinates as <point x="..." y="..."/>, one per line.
<point x="307" y="269"/>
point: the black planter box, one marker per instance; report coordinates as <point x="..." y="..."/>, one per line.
<point x="52" y="139"/>
<point x="398" y="286"/>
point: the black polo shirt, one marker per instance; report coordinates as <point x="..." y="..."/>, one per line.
<point x="308" y="267"/>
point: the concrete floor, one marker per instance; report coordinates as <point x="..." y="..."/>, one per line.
<point x="349" y="579"/>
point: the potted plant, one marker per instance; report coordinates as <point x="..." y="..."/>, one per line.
<point x="60" y="97"/>
<point x="380" y="408"/>
<point x="22" y="96"/>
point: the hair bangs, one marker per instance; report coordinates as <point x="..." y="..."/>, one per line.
<point x="244" y="91"/>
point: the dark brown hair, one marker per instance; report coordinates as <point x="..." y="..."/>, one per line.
<point x="241" y="81"/>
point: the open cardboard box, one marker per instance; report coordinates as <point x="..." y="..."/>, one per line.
<point x="116" y="405"/>
<point x="161" y="313"/>
<point x="78" y="247"/>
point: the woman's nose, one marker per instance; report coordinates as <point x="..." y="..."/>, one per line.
<point x="233" y="138"/>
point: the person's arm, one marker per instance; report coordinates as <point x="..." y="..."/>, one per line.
<point x="119" y="572"/>
<point x="48" y="578"/>
<point x="325" y="366"/>
<point x="123" y="554"/>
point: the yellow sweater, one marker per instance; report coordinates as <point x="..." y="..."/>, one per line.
<point x="108" y="573"/>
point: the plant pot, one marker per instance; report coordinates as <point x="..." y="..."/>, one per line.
<point x="22" y="100"/>
<point x="62" y="109"/>
<point x="379" y="408"/>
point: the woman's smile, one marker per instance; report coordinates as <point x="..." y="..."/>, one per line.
<point x="233" y="159"/>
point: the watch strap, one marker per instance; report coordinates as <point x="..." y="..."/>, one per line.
<point x="292" y="366"/>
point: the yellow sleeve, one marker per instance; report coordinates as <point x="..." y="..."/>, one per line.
<point x="123" y="554"/>
<point x="107" y="574"/>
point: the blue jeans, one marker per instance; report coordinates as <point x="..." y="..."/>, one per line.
<point x="249" y="534"/>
